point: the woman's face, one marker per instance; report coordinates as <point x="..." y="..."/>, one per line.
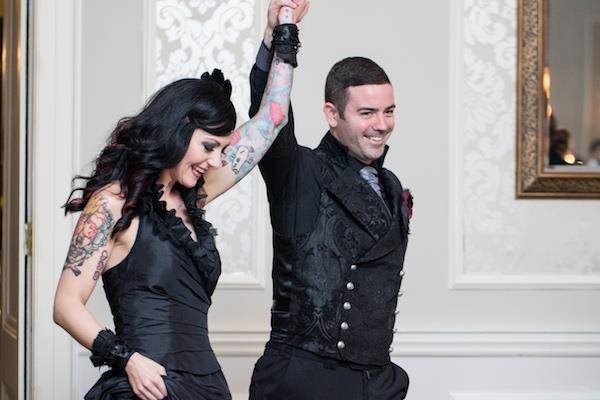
<point x="205" y="151"/>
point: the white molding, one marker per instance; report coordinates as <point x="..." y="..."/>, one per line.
<point x="76" y="151"/>
<point x="257" y="277"/>
<point x="455" y="156"/>
<point x="53" y="124"/>
<point x="525" y="282"/>
<point x="149" y="52"/>
<point x="526" y="396"/>
<point x="22" y="202"/>
<point x="22" y="177"/>
<point x="443" y="344"/>
<point x="458" y="278"/>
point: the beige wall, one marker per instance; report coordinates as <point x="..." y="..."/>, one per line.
<point x="111" y="69"/>
<point x="491" y="284"/>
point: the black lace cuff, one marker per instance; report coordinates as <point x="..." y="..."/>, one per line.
<point x="286" y="43"/>
<point x="109" y="349"/>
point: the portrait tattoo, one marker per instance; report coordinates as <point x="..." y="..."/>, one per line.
<point x="243" y="156"/>
<point x="91" y="233"/>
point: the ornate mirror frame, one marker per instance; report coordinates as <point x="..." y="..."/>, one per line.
<point x="533" y="181"/>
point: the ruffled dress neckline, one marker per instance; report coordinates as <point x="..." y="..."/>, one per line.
<point x="171" y="227"/>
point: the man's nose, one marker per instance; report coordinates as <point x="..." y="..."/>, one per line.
<point x="380" y="122"/>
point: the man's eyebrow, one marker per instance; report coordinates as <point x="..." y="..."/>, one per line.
<point x="366" y="108"/>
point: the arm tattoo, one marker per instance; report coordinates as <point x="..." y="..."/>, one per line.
<point x="101" y="265"/>
<point x="91" y="233"/>
<point x="252" y="140"/>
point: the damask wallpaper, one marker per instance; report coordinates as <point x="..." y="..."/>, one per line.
<point x="503" y="235"/>
<point x="193" y="36"/>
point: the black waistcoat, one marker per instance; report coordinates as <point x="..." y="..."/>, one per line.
<point x="335" y="288"/>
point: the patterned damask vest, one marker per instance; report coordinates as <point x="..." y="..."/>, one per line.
<point x="336" y="288"/>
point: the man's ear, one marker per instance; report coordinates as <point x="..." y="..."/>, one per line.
<point x="331" y="114"/>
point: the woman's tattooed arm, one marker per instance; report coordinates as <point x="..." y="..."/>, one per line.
<point x="250" y="142"/>
<point x="91" y="248"/>
<point x="91" y="233"/>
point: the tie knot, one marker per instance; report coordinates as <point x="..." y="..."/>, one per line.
<point x="368" y="173"/>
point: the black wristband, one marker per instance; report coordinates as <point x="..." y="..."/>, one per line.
<point x="109" y="349"/>
<point x="286" y="43"/>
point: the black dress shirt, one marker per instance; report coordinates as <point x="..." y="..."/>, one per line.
<point x="292" y="172"/>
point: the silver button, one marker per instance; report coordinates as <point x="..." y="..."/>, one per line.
<point x="395" y="330"/>
<point x="345" y="326"/>
<point x="341" y="345"/>
<point x="402" y="273"/>
<point x="396" y="312"/>
<point x="390" y="349"/>
<point x="353" y="267"/>
<point x="350" y="286"/>
<point x="347" y="306"/>
<point x="401" y="293"/>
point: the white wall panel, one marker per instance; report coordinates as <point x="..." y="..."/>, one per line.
<point x="527" y="326"/>
<point x="530" y="244"/>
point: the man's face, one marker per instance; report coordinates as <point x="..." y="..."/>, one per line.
<point x="368" y="121"/>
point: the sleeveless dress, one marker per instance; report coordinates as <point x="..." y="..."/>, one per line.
<point x="159" y="297"/>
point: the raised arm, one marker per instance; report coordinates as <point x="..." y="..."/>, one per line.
<point x="251" y="141"/>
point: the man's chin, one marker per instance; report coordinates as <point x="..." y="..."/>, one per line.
<point x="374" y="155"/>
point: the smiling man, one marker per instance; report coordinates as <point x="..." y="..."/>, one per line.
<point x="340" y="230"/>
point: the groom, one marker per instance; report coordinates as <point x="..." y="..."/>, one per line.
<point x="340" y="224"/>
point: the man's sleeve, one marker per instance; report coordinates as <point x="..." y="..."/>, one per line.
<point x="280" y="158"/>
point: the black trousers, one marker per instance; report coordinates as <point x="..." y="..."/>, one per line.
<point x="286" y="373"/>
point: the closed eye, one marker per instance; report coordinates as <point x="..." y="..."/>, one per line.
<point x="208" y="146"/>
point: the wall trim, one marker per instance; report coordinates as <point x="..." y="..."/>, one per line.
<point x="255" y="276"/>
<point x="458" y="277"/>
<point x="438" y="344"/>
<point x="525" y="282"/>
<point x="526" y="396"/>
<point x="54" y="91"/>
<point x="445" y="344"/>
<point x="149" y="52"/>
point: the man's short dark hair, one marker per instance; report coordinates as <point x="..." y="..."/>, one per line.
<point x="351" y="71"/>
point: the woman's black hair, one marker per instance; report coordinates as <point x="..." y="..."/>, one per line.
<point x="144" y="145"/>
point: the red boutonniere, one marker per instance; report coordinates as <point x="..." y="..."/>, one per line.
<point x="407" y="200"/>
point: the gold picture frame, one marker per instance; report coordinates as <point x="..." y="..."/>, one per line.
<point x="533" y="180"/>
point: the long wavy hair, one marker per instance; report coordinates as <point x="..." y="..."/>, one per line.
<point x="156" y="139"/>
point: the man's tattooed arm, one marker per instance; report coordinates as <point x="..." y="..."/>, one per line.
<point x="91" y="233"/>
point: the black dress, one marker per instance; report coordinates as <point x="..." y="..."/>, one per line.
<point x="159" y="297"/>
